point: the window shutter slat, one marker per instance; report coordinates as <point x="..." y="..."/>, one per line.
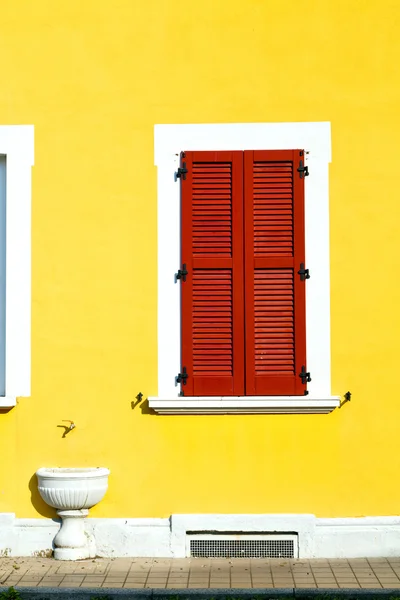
<point x="212" y="295"/>
<point x="274" y="294"/>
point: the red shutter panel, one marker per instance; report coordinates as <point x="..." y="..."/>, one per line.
<point x="212" y="295"/>
<point x="274" y="293"/>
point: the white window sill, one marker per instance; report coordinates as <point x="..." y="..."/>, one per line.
<point x="7" y="402"/>
<point x="244" y="405"/>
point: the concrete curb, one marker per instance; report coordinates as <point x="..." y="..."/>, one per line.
<point x="48" y="593"/>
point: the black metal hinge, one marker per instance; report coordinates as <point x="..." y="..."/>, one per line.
<point x="181" y="377"/>
<point x="181" y="274"/>
<point x="181" y="172"/>
<point x="303" y="170"/>
<point x="304" y="273"/>
<point x="304" y="375"/>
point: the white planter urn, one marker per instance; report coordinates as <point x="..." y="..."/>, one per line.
<point x="72" y="492"/>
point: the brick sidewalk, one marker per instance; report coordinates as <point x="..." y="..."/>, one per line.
<point x="201" y="573"/>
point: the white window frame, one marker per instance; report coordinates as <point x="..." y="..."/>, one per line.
<point x="17" y="144"/>
<point x="315" y="139"/>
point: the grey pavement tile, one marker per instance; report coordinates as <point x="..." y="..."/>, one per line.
<point x="363" y="571"/>
<point x="382" y="571"/>
<point x="302" y="570"/>
<point x="322" y="572"/>
<point x="281" y="572"/>
<point x="161" y="569"/>
<point x="64" y="569"/>
<point x="378" y="560"/>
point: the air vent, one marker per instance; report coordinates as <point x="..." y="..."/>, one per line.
<point x="214" y="545"/>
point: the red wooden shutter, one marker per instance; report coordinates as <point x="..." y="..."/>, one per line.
<point x="212" y="295"/>
<point x="274" y="293"/>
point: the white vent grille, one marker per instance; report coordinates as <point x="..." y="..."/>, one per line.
<point x="213" y="545"/>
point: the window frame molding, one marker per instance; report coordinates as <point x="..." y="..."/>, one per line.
<point x="17" y="144"/>
<point x="315" y="139"/>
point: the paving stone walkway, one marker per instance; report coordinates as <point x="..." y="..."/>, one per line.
<point x="201" y="573"/>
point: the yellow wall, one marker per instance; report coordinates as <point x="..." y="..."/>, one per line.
<point x="94" y="77"/>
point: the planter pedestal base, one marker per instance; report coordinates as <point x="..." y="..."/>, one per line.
<point x="72" y="542"/>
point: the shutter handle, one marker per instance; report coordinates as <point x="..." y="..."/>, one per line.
<point x="304" y="375"/>
<point x="181" y="172"/>
<point x="181" y="274"/>
<point x="304" y="273"/>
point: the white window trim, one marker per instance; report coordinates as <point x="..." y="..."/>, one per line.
<point x="17" y="143"/>
<point x="315" y="139"/>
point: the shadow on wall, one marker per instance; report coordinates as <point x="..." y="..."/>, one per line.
<point x="146" y="410"/>
<point x="38" y="503"/>
<point x="144" y="405"/>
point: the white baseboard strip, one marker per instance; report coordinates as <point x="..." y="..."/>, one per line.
<point x="317" y="537"/>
